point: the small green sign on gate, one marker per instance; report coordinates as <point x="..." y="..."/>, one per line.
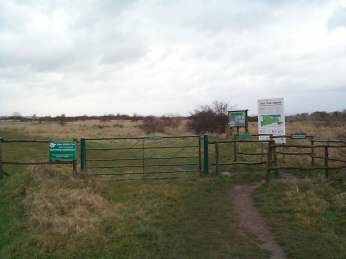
<point x="62" y="151"/>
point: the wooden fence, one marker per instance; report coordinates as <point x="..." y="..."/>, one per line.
<point x="270" y="151"/>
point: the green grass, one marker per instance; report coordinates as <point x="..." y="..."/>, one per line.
<point x="157" y="219"/>
<point x="307" y="216"/>
<point x="179" y="218"/>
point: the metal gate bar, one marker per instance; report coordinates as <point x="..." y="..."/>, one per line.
<point x="195" y="148"/>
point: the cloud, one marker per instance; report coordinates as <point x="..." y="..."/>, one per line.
<point x="49" y="37"/>
<point x="156" y="57"/>
<point x="337" y="18"/>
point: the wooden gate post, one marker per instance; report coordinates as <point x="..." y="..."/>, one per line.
<point x="205" y="154"/>
<point x="269" y="160"/>
<point x="217" y="157"/>
<point x="326" y="161"/>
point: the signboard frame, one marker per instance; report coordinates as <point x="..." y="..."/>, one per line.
<point x="62" y="151"/>
<point x="243" y="123"/>
<point x="271" y="119"/>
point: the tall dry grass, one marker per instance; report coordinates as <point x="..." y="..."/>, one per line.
<point x="100" y="128"/>
<point x="58" y="204"/>
<point x="90" y="128"/>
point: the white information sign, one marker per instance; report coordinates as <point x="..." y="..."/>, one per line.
<point x="271" y="119"/>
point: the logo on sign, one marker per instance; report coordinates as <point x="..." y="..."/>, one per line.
<point x="52" y="145"/>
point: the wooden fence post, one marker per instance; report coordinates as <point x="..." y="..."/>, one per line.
<point x="326" y="161"/>
<point x="269" y="160"/>
<point x="312" y="151"/>
<point x="275" y="159"/>
<point x="82" y="154"/>
<point x="283" y="151"/>
<point x="1" y="170"/>
<point x="235" y="150"/>
<point x="217" y="157"/>
<point x="262" y="150"/>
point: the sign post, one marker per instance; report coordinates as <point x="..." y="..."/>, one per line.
<point x="271" y="119"/>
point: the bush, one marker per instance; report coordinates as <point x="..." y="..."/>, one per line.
<point x="208" y="118"/>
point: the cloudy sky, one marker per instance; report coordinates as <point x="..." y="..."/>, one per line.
<point x="170" y="56"/>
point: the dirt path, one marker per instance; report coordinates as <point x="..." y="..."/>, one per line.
<point x="250" y="221"/>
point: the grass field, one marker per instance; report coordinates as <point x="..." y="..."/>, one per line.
<point x="45" y="212"/>
<point x="307" y="216"/>
<point x="48" y="213"/>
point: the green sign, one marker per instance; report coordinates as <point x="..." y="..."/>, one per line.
<point x="245" y="136"/>
<point x="299" y="135"/>
<point x="237" y="118"/>
<point x="62" y="151"/>
<point x="154" y="138"/>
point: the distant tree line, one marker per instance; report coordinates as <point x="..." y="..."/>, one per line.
<point x="319" y="116"/>
<point x="207" y="118"/>
<point x="65" y="118"/>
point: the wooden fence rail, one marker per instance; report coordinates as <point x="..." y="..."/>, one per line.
<point x="270" y="151"/>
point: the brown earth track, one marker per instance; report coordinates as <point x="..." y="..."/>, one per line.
<point x="251" y="222"/>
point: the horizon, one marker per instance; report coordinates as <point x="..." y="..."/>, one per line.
<point x="16" y="114"/>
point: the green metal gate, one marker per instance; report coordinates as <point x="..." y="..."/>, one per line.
<point x="142" y="156"/>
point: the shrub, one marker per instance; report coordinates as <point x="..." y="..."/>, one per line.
<point x="208" y="118"/>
